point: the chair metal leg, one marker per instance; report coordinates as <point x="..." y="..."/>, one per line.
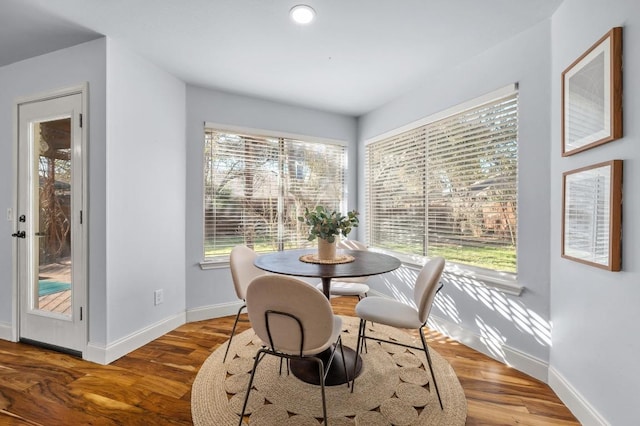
<point x="360" y="346"/>
<point x="324" y="402"/>
<point x="288" y="366"/>
<point x="364" y="341"/>
<point x="361" y="336"/>
<point x="253" y="373"/>
<point x="359" y="299"/>
<point x="433" y="376"/>
<point x="363" y="344"/>
<point x="233" y="331"/>
<point x="344" y="363"/>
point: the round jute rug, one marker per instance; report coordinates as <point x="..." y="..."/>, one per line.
<point x="394" y="387"/>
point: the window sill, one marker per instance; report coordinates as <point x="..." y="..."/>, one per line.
<point x="219" y="262"/>
<point x="504" y="281"/>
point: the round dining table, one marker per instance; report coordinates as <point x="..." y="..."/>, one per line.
<point x="365" y="263"/>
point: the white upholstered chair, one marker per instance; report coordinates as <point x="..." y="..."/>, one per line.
<point x="383" y="310"/>
<point x="243" y="271"/>
<point x="354" y="286"/>
<point x="293" y="320"/>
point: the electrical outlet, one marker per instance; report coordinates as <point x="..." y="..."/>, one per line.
<point x="158" y="297"/>
<point x="9" y="214"/>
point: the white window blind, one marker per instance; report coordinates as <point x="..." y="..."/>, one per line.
<point x="449" y="187"/>
<point x="256" y="186"/>
<point x="396" y="202"/>
<point x="587" y="215"/>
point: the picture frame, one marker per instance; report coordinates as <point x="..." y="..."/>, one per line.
<point x="592" y="215"/>
<point x="592" y="96"/>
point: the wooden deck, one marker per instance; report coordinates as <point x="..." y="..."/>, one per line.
<point x="57" y="302"/>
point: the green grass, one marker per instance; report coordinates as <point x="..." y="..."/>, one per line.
<point x="229" y="243"/>
<point x="496" y="258"/>
<point x="222" y="251"/>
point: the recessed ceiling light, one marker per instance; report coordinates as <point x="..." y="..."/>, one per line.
<point x="302" y="14"/>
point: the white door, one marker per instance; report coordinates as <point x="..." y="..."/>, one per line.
<point x="50" y="242"/>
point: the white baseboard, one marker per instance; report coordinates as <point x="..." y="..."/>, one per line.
<point x="584" y="412"/>
<point x="102" y="354"/>
<point x="213" y="311"/>
<point x="513" y="357"/>
<point x="105" y="355"/>
<point x="6" y="332"/>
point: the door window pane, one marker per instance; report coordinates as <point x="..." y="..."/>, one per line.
<point x="52" y="250"/>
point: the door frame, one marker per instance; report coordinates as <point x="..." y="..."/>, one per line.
<point x="83" y="260"/>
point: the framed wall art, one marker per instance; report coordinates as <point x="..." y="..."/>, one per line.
<point x="592" y="96"/>
<point x="592" y="215"/>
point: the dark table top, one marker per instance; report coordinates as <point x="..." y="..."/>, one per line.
<point x="366" y="263"/>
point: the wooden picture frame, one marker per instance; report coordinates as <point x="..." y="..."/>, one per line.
<point x="592" y="96"/>
<point x="592" y="215"/>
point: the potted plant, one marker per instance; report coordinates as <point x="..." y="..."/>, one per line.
<point x="326" y="225"/>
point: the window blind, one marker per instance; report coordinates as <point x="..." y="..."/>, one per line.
<point x="256" y="186"/>
<point x="449" y="187"/>
<point x="396" y="203"/>
<point x="587" y="216"/>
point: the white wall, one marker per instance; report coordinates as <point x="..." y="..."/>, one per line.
<point x="64" y="68"/>
<point x="145" y="208"/>
<point x="595" y="313"/>
<point x="137" y="168"/>
<point x="509" y="328"/>
<point x="211" y="291"/>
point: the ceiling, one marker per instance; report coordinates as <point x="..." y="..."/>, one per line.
<point x="356" y="56"/>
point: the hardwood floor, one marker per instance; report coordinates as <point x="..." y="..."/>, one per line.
<point x="152" y="385"/>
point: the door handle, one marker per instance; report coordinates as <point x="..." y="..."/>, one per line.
<point x="19" y="234"/>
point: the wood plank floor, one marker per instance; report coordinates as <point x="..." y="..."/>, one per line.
<point x="152" y="385"/>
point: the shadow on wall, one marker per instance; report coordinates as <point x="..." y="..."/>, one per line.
<point x="474" y="307"/>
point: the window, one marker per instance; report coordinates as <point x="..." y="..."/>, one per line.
<point x="255" y="187"/>
<point x="447" y="186"/>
